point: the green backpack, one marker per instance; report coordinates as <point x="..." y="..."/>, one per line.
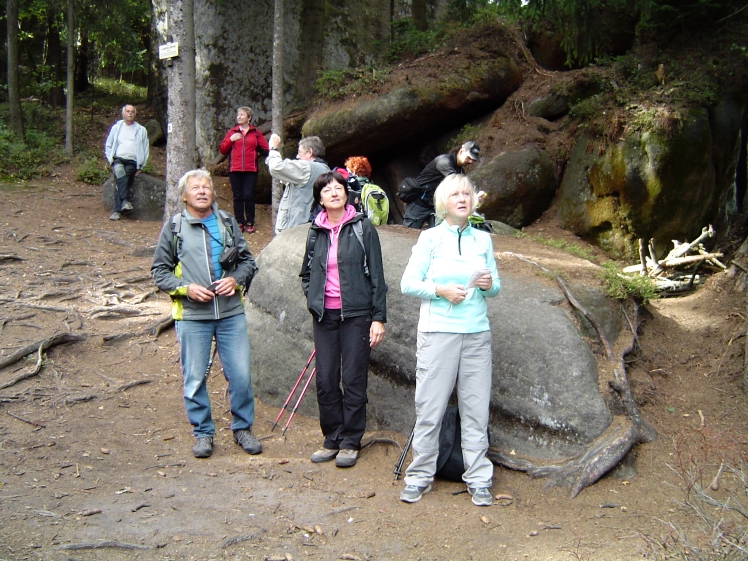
<point x="374" y="202"/>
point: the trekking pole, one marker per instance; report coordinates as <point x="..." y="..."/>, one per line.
<point x="298" y="401"/>
<point x="293" y="390"/>
<point x="399" y="465"/>
<point x="212" y="359"/>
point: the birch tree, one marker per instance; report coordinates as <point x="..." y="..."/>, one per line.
<point x="277" y="101"/>
<point x="181" y="151"/>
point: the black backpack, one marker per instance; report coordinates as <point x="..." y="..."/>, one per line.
<point x="410" y="190"/>
<point x="449" y="463"/>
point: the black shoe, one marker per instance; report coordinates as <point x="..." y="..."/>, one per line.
<point x="247" y="441"/>
<point x="203" y="447"/>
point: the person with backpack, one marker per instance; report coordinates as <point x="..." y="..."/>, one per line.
<point x="374" y="201"/>
<point x="243" y="144"/>
<point x="202" y="261"/>
<point x="452" y="270"/>
<point x="420" y="205"/>
<point x="342" y="277"/>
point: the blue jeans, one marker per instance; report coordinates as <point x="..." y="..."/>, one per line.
<point x="124" y="175"/>
<point x="195" y="340"/>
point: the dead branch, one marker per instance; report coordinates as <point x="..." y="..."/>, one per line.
<point x="10" y="257"/>
<point x="102" y="545"/>
<point x="681" y="249"/>
<point x="43" y="345"/>
<point x="77" y="264"/>
<point x="127" y="386"/>
<point x="32" y="423"/>
<point x="104" y="312"/>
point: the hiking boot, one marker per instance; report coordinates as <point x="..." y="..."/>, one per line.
<point x="247" y="441"/>
<point x="203" y="447"/>
<point x="126" y="205"/>
<point x="413" y="493"/>
<point x="346" y="458"/>
<point x="249" y="228"/>
<point x="241" y="228"/>
<point x="115" y="216"/>
<point x="481" y="496"/>
<point x="324" y="455"/>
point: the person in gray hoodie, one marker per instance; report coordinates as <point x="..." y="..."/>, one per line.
<point x="202" y="261"/>
<point x="126" y="150"/>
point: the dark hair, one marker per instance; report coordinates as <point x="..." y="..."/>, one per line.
<point x="324" y="180"/>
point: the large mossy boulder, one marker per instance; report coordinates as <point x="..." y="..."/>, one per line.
<point x="545" y="401"/>
<point x="414" y="111"/>
<point x="147" y="195"/>
<point x="519" y="186"/>
<point x="662" y="185"/>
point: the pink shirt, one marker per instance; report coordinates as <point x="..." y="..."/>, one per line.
<point x="332" y="281"/>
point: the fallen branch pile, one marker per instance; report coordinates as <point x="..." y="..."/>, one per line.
<point x="677" y="272"/>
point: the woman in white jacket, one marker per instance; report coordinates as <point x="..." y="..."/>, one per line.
<point x="453" y="270"/>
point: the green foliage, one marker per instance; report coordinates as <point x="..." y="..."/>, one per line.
<point x="32" y="158"/>
<point x="467" y="132"/>
<point x="339" y="84"/>
<point x="407" y="41"/>
<point x="92" y="170"/>
<point x="117" y="92"/>
<point x="620" y="286"/>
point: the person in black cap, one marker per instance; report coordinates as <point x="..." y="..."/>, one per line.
<point x="422" y="209"/>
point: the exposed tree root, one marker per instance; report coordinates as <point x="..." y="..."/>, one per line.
<point x="42" y="345"/>
<point x="103" y="545"/>
<point x="606" y="451"/>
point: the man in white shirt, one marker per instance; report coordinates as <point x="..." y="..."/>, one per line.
<point x="299" y="176"/>
<point x="126" y="150"/>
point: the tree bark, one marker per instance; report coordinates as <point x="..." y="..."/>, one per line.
<point x="277" y="123"/>
<point x="181" y="151"/>
<point x="71" y="79"/>
<point x="14" y="89"/>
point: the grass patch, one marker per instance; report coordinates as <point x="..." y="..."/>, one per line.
<point x="620" y="286"/>
<point x="339" y="84"/>
<point x="116" y="92"/>
<point x="572" y="248"/>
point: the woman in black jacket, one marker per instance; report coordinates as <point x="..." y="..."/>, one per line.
<point x="343" y="279"/>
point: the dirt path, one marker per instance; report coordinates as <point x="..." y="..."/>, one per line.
<point x="91" y="469"/>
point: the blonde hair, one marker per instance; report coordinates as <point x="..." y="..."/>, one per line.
<point x="182" y="186"/>
<point x="248" y="111"/>
<point x="449" y="185"/>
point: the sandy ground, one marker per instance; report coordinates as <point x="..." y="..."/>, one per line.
<point x="93" y="469"/>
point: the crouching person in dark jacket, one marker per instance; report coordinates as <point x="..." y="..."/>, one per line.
<point x="343" y="279"/>
<point x="203" y="263"/>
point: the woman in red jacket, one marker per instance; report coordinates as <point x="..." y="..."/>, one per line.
<point x="242" y="144"/>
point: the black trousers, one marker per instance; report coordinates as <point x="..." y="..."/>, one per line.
<point x="416" y="214"/>
<point x="243" y="189"/>
<point x="342" y="355"/>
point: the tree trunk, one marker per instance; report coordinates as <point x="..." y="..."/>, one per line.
<point x="181" y="152"/>
<point x="14" y="90"/>
<point x="277" y="124"/>
<point x="71" y="77"/>
<point x="418" y="13"/>
<point x="56" y="94"/>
